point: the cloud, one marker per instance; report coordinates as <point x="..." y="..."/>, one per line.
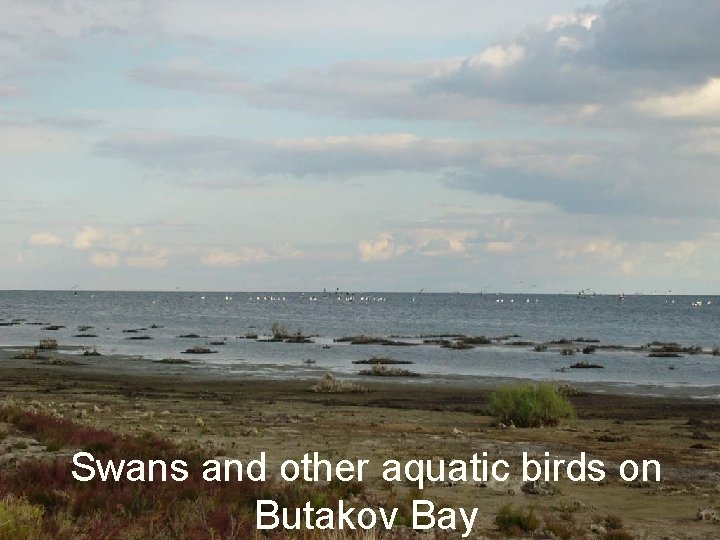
<point x="112" y="249"/>
<point x="682" y="251"/>
<point x="28" y="139"/>
<point x="87" y="237"/>
<point x="610" y="56"/>
<point x="604" y="249"/>
<point x="342" y="156"/>
<point x="44" y="239"/>
<point x="192" y="75"/>
<point x="9" y="91"/>
<point x="604" y="57"/>
<point x="382" y="248"/>
<point x="500" y="247"/>
<point x="498" y="56"/>
<point x="90" y="237"/>
<point x="699" y="102"/>
<point x="105" y="260"/>
<point x="441" y="241"/>
<point x="149" y="258"/>
<point x="589" y="176"/>
<point x="334" y="155"/>
<point x="231" y="257"/>
<point x="42" y="27"/>
<point x="364" y="89"/>
<point x="628" y="266"/>
<point x="664" y="35"/>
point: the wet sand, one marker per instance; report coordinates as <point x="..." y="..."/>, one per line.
<point x="285" y="418"/>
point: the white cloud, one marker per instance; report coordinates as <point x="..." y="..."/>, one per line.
<point x="119" y="247"/>
<point x="498" y="56"/>
<point x="105" y="259"/>
<point x="44" y="239"/>
<point x="682" y="251"/>
<point x="500" y="247"/>
<point x="92" y="237"/>
<point x="441" y="241"/>
<point x="382" y="248"/>
<point x="698" y="102"/>
<point x="628" y="267"/>
<point x="87" y="237"/>
<point x="158" y="259"/>
<point x="224" y="257"/>
<point x="584" y="19"/>
<point x="604" y="249"/>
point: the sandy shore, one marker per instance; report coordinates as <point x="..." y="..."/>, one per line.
<point x="285" y="418"/>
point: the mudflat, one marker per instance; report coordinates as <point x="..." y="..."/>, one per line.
<point x="240" y="418"/>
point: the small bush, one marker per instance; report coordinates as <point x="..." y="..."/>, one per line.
<point x="516" y="522"/>
<point x="613" y="522"/>
<point x="529" y="405"/>
<point x="562" y="528"/>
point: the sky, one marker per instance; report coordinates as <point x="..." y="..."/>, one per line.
<point x="455" y="145"/>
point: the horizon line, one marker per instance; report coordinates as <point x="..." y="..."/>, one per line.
<point x="354" y="291"/>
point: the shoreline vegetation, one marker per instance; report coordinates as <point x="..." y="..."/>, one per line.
<point x="49" y="412"/>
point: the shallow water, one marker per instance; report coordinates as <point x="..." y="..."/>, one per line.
<point x="636" y="320"/>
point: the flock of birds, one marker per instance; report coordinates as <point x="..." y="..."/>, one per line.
<point x="349" y="298"/>
<point x="363" y="297"/>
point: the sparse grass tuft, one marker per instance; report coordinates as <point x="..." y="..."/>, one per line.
<point x="617" y="535"/>
<point x="28" y="354"/>
<point x="330" y="385"/>
<point x="516" y="521"/>
<point x="48" y="344"/>
<point x="378" y="370"/>
<point x="20" y="520"/>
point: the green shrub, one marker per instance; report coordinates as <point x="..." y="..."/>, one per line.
<point x="19" y="520"/>
<point x="516" y="521"/>
<point x="530" y="405"/>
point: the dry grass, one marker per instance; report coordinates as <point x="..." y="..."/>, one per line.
<point x="330" y="385"/>
<point x="48" y="344"/>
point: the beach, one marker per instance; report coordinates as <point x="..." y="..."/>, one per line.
<point x="240" y="417"/>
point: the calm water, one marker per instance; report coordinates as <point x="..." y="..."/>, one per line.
<point x="636" y="320"/>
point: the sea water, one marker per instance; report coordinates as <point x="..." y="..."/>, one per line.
<point x="230" y="316"/>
